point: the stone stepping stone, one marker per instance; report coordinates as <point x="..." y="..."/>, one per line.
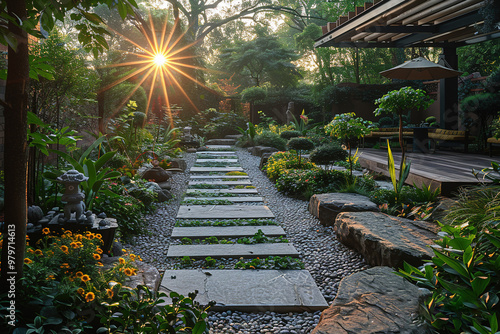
<point x="224" y="212"/>
<point x="217" y="152"/>
<point x="220" y="147"/>
<point x="226" y="231"/>
<point x="215" y="169"/>
<point x="230" y="191"/>
<point x="385" y="240"/>
<point x="248" y="290"/>
<point x="373" y="301"/>
<point x="227" y="183"/>
<point x="217" y="160"/>
<point x="219" y="177"/>
<point x="232" y="250"/>
<point x="232" y="199"/>
<point x="225" y="141"/>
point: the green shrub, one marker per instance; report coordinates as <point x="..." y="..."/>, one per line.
<point x="287" y="135"/>
<point x="271" y="139"/>
<point x="328" y="154"/>
<point x="463" y="278"/>
<point x="386" y="122"/>
<point x="280" y="161"/>
<point x="300" y="144"/>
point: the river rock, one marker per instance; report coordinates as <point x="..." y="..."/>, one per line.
<point x="156" y="174"/>
<point x="373" y="301"/>
<point x="385" y="240"/>
<point x="326" y="207"/>
<point x="259" y="150"/>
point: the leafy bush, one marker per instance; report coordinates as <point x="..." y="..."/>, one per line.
<point x="271" y="139"/>
<point x="290" y="134"/>
<point x="463" y="278"/>
<point x="328" y="154"/>
<point x="280" y="161"/>
<point x="386" y="122"/>
<point x="300" y="144"/>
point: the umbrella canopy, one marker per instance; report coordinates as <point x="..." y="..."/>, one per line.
<point x="420" y="69"/>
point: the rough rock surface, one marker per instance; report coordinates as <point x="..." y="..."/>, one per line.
<point x="178" y="163"/>
<point x="326" y="207"/>
<point x="259" y="150"/>
<point x="385" y="240"/>
<point x="373" y="301"/>
<point x="224" y="141"/>
<point x="157" y="174"/>
<point x="146" y="274"/>
<point x="263" y="160"/>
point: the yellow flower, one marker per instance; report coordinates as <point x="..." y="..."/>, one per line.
<point x="96" y="256"/>
<point x="68" y="232"/>
<point x="139" y="257"/>
<point x="38" y="252"/>
<point x="46" y="230"/>
<point x="98" y="250"/>
<point x="85" y="278"/>
<point x="31" y="251"/>
<point x="79" y="274"/>
<point x="50" y="277"/>
<point x="128" y="272"/>
<point x="121" y="260"/>
<point x="100" y="264"/>
<point x="79" y="244"/>
<point x="98" y="236"/>
<point x="132" y="257"/>
<point x="109" y="293"/>
<point x="27" y="261"/>
<point x="81" y="291"/>
<point x="74" y="244"/>
<point x="65" y="249"/>
<point x="89" y="297"/>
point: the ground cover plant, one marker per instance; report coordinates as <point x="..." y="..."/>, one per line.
<point x="202" y="194"/>
<point x="269" y="263"/>
<point x="209" y="186"/>
<point x="207" y="202"/>
<point x="227" y="222"/>
<point x="258" y="238"/>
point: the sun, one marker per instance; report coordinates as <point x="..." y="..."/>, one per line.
<point x="160" y="59"/>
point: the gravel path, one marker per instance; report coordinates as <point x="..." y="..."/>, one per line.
<point x="327" y="259"/>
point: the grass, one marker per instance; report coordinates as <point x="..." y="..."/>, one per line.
<point x="207" y="202"/>
<point x="228" y="222"/>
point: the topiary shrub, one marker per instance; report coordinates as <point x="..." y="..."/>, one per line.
<point x="328" y="154"/>
<point x="268" y="138"/>
<point x="386" y="122"/>
<point x="281" y="161"/>
<point x="300" y="144"/>
<point x="290" y="134"/>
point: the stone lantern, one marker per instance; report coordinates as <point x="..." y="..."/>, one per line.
<point x="72" y="197"/>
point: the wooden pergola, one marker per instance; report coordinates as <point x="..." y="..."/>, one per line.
<point x="446" y="24"/>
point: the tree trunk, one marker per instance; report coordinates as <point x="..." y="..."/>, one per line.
<point x="356" y="65"/>
<point x="15" y="155"/>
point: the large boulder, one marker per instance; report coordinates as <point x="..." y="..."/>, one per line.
<point x="326" y="207"/>
<point x="373" y="301"/>
<point x="156" y="174"/>
<point x="385" y="240"/>
<point x="178" y="163"/>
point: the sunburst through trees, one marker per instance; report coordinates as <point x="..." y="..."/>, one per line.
<point x="163" y="61"/>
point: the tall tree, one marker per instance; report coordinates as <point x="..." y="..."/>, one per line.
<point x="18" y="19"/>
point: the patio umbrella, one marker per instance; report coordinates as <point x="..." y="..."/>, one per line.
<point x="420" y="69"/>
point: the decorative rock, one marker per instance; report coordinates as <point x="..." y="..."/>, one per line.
<point x="373" y="301"/>
<point x="263" y="160"/>
<point x="102" y="215"/>
<point x="259" y="150"/>
<point x="178" y="163"/>
<point x="164" y="195"/>
<point x="117" y="248"/>
<point x="191" y="150"/>
<point x="157" y="174"/>
<point x="326" y="207"/>
<point x="165" y="185"/>
<point x="35" y="213"/>
<point x="386" y="240"/>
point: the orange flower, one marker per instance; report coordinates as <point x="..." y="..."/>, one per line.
<point x="65" y="249"/>
<point x="74" y="244"/>
<point x="98" y="236"/>
<point x="98" y="250"/>
<point x="96" y="256"/>
<point x="27" y="261"/>
<point x="128" y="272"/>
<point x="64" y="265"/>
<point x="68" y="232"/>
<point x="81" y="291"/>
<point x="85" y="278"/>
<point x="79" y="274"/>
<point x="79" y="244"/>
<point x="50" y="277"/>
<point x="46" y="230"/>
<point x="89" y="297"/>
<point x="132" y="257"/>
<point x="38" y="252"/>
<point x="109" y="293"/>
<point x="31" y="251"/>
<point x="121" y="260"/>
<point x="100" y="264"/>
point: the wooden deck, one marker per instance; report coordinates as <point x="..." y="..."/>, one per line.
<point x="446" y="170"/>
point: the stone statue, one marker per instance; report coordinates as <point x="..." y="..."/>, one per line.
<point x="73" y="198"/>
<point x="289" y="112"/>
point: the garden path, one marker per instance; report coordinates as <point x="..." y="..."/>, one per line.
<point x="243" y="290"/>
